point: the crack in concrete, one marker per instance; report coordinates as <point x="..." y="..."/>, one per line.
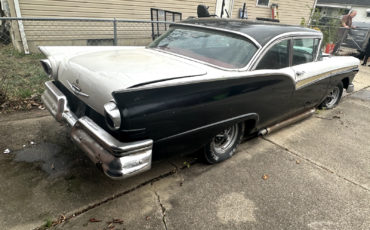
<point x="349" y="94"/>
<point x="163" y="210"/>
<point x="316" y="164"/>
<point x="151" y="181"/>
<point x="173" y="164"/>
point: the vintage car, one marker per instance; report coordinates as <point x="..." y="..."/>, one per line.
<point x="204" y="83"/>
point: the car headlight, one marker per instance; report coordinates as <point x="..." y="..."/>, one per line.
<point x="46" y="65"/>
<point x="112" y="116"/>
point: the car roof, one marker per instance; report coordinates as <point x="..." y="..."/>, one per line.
<point x="261" y="31"/>
<point x="361" y="24"/>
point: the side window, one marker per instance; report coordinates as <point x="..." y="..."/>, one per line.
<point x="277" y="57"/>
<point x="304" y="50"/>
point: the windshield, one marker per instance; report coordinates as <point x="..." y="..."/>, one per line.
<point x="214" y="47"/>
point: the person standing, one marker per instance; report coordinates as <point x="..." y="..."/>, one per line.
<point x="367" y="52"/>
<point x="346" y="22"/>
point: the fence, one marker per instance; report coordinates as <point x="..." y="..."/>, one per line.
<point x="29" y="33"/>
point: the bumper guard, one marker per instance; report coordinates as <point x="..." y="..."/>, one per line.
<point x="118" y="160"/>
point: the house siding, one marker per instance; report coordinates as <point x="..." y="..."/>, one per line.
<point x="361" y="14"/>
<point x="120" y="9"/>
<point x="290" y="11"/>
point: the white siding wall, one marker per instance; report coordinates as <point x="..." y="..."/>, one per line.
<point x="361" y="14"/>
<point x="120" y="9"/>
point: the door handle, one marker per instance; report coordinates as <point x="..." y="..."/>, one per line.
<point x="300" y="73"/>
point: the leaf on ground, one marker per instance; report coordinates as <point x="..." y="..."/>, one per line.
<point x="118" y="221"/>
<point x="94" y="220"/>
<point x="148" y="218"/>
<point x="41" y="107"/>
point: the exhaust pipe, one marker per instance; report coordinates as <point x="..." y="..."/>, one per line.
<point x="286" y="123"/>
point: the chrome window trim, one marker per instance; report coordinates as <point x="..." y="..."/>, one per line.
<point x="313" y="37"/>
<point x="271" y="45"/>
<point x="318" y="50"/>
<point x="292" y="35"/>
<point x="257" y="44"/>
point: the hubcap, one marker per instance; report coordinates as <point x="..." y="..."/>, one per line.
<point x="225" y="140"/>
<point x="332" y="97"/>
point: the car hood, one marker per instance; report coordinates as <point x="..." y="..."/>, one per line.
<point x="98" y="74"/>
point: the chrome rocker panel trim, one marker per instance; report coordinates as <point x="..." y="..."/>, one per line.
<point x="116" y="159"/>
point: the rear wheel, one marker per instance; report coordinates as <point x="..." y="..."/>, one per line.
<point x="224" y="144"/>
<point x="333" y="98"/>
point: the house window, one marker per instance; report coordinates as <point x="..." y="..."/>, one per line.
<point x="345" y="12"/>
<point x="264" y="3"/>
<point x="368" y="14"/>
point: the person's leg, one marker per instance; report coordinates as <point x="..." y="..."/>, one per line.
<point x="365" y="60"/>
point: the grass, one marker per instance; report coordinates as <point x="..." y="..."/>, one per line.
<point x="21" y="76"/>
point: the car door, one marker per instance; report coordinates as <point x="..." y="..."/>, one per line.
<point x="312" y="76"/>
<point x="276" y="62"/>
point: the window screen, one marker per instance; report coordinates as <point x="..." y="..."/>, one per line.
<point x="277" y="57"/>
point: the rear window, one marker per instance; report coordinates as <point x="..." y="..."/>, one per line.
<point x="214" y="47"/>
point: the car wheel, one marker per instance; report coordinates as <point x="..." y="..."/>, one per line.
<point x="224" y="144"/>
<point x="333" y="97"/>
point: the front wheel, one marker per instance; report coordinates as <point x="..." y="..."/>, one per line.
<point x="333" y="98"/>
<point x="224" y="144"/>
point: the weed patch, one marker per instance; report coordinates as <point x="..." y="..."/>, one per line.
<point x="21" y="79"/>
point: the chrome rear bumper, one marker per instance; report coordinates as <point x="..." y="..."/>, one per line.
<point x="116" y="159"/>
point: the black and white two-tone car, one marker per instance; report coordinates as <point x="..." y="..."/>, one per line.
<point x="204" y="83"/>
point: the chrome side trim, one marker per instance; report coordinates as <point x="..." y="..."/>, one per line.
<point x="213" y="124"/>
<point x="308" y="81"/>
<point x="345" y="70"/>
<point x="246" y="75"/>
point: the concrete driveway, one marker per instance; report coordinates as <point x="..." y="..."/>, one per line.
<point x="318" y="178"/>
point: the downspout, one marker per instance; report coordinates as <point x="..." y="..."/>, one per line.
<point x="21" y="28"/>
<point x="313" y="11"/>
